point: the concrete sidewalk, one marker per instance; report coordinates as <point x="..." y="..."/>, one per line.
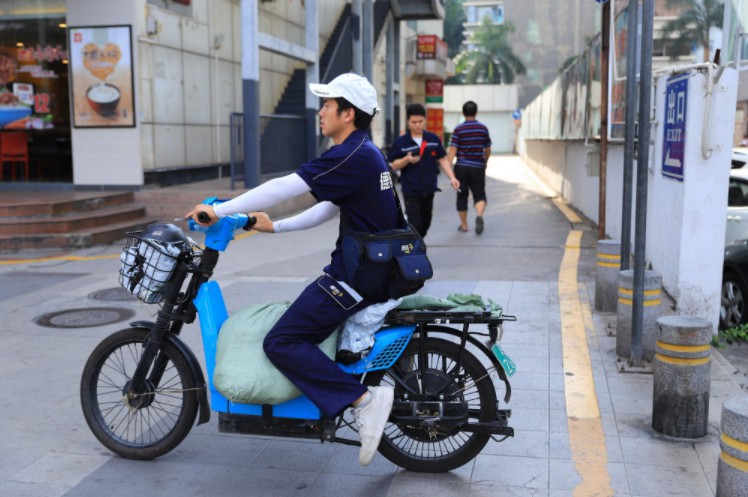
<point x="46" y="449"/>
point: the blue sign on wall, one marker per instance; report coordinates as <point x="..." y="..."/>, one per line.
<point x="674" y="143"/>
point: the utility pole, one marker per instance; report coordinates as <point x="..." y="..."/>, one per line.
<point x="604" y="68"/>
<point x="628" y="151"/>
<point x="251" y="91"/>
<point x="642" y="173"/>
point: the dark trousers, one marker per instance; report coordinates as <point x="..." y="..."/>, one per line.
<point x="291" y="345"/>
<point x="472" y="180"/>
<point x="420" y="209"/>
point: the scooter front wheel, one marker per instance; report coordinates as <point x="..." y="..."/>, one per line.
<point x="441" y="371"/>
<point x="148" y="424"/>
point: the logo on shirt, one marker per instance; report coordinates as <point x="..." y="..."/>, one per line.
<point x="407" y="248"/>
<point x="334" y="290"/>
<point x="385" y="181"/>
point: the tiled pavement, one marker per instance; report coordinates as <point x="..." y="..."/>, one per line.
<point x="46" y="450"/>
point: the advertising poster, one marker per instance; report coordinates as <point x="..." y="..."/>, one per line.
<point x="101" y="76"/>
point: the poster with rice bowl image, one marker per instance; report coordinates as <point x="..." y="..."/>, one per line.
<point x="102" y="76"/>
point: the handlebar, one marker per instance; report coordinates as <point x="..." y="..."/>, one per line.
<point x="219" y="235"/>
<point x="203" y="217"/>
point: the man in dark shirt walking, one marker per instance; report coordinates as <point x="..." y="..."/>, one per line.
<point x="418" y="155"/>
<point x="471" y="144"/>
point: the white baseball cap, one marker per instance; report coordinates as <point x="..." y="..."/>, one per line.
<point x="352" y="87"/>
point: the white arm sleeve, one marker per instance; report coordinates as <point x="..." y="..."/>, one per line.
<point x="264" y="196"/>
<point x="313" y="216"/>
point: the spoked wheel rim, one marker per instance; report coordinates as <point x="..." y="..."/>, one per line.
<point x="139" y="420"/>
<point x="732" y="305"/>
<point x="420" y="449"/>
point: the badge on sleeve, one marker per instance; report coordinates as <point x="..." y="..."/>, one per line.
<point x="336" y="291"/>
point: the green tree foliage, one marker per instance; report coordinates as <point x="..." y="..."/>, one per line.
<point x="492" y="61"/>
<point x="692" y="26"/>
<point x="454" y="17"/>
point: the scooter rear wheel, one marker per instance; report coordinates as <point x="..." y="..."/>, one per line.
<point x="437" y="450"/>
<point x="143" y="426"/>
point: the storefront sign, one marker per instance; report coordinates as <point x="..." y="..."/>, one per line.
<point x="434" y="91"/>
<point x="426" y="47"/>
<point x="435" y="122"/>
<point x="674" y="144"/>
<point x="102" y="76"/>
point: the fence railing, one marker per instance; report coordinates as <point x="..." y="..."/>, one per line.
<point x="569" y="109"/>
<point x="282" y="144"/>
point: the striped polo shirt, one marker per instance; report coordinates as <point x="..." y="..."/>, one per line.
<point x="471" y="138"/>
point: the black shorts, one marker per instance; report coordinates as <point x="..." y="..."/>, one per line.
<point x="472" y="180"/>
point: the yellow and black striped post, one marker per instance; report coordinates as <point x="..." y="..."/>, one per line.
<point x="652" y="303"/>
<point x="682" y="372"/>
<point x="732" y="475"/>
<point x="606" y="275"/>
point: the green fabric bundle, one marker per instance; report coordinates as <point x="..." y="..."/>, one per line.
<point x="455" y="302"/>
<point x="243" y="373"/>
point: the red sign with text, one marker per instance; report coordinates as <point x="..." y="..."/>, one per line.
<point x="426" y="47"/>
<point x="435" y="122"/>
<point x="434" y="91"/>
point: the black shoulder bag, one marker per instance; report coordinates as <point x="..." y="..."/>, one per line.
<point x="387" y="264"/>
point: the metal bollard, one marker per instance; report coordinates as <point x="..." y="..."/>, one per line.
<point x="606" y="275"/>
<point x="682" y="372"/>
<point x="652" y="311"/>
<point x="732" y="475"/>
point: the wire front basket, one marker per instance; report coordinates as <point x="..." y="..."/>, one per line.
<point x="148" y="266"/>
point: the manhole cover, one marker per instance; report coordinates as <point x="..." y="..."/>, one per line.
<point x="116" y="294"/>
<point x="84" y="318"/>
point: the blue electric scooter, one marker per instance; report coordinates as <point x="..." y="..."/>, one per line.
<point x="142" y="388"/>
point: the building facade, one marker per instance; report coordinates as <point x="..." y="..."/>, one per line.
<point x="178" y="72"/>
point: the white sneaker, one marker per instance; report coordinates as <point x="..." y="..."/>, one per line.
<point x="371" y="420"/>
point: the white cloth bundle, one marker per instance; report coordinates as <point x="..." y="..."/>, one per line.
<point x="358" y="330"/>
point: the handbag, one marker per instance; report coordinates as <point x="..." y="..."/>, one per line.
<point x="387" y="264"/>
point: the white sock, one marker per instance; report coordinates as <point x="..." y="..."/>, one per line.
<point x="366" y="400"/>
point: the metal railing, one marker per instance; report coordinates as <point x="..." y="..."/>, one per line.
<point x="282" y="144"/>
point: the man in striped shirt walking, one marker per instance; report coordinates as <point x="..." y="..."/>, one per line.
<point x="471" y="144"/>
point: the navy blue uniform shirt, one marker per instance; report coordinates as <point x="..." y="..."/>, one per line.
<point x="418" y="178"/>
<point x="354" y="176"/>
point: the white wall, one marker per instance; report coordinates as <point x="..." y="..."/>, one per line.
<point x="686" y="228"/>
<point x="495" y="106"/>
<point x="106" y="156"/>
<point x="685" y="220"/>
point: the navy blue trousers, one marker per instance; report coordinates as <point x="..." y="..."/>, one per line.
<point x="291" y="345"/>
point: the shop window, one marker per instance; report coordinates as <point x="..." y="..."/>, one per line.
<point x="34" y="96"/>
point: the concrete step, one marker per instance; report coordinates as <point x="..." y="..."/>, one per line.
<point x="72" y="222"/>
<point x="99" y="235"/>
<point x="59" y="203"/>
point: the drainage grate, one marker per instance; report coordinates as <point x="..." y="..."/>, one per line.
<point x="84" y="318"/>
<point x="116" y="294"/>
